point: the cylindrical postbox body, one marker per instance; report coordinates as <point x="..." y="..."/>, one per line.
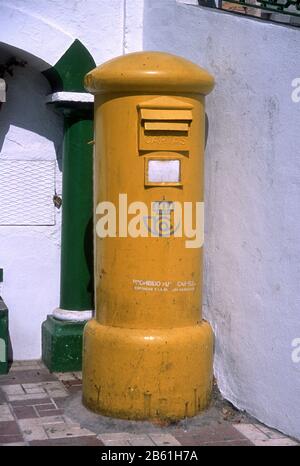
<point x="148" y="353"/>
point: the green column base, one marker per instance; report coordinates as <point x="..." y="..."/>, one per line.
<point x="62" y="344"/>
<point x="4" y="338"/>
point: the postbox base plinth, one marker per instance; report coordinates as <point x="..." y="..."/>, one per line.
<point x="147" y="374"/>
<point x="62" y="344"/>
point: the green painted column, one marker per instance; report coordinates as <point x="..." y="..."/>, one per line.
<point x="76" y="292"/>
<point x="62" y="331"/>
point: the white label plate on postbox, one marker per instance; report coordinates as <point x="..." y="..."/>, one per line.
<point x="163" y="171"/>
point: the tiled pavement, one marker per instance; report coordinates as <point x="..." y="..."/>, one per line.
<point x="31" y="413"/>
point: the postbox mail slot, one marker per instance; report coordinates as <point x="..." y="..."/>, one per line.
<point x="165" y="126"/>
<point x="165" y="114"/>
<point x="164" y="129"/>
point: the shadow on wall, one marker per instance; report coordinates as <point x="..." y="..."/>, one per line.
<point x="25" y="116"/>
<point x="89" y="254"/>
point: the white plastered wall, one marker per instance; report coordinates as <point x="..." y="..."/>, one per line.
<point x="252" y="229"/>
<point x="40" y="31"/>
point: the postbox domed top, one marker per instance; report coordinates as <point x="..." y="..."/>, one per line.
<point x="149" y="72"/>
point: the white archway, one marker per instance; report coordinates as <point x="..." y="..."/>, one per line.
<point x="33" y="35"/>
<point x="30" y="136"/>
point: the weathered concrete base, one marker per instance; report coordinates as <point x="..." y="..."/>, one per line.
<point x="62" y="344"/>
<point x="219" y="411"/>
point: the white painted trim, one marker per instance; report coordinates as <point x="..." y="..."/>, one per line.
<point x="69" y="97"/>
<point x="77" y="316"/>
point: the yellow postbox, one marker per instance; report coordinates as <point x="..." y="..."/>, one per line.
<point x="148" y="354"/>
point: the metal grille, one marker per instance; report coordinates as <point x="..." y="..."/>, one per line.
<point x="26" y="192"/>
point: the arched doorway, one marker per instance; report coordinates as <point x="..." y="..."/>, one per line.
<point x="31" y="147"/>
